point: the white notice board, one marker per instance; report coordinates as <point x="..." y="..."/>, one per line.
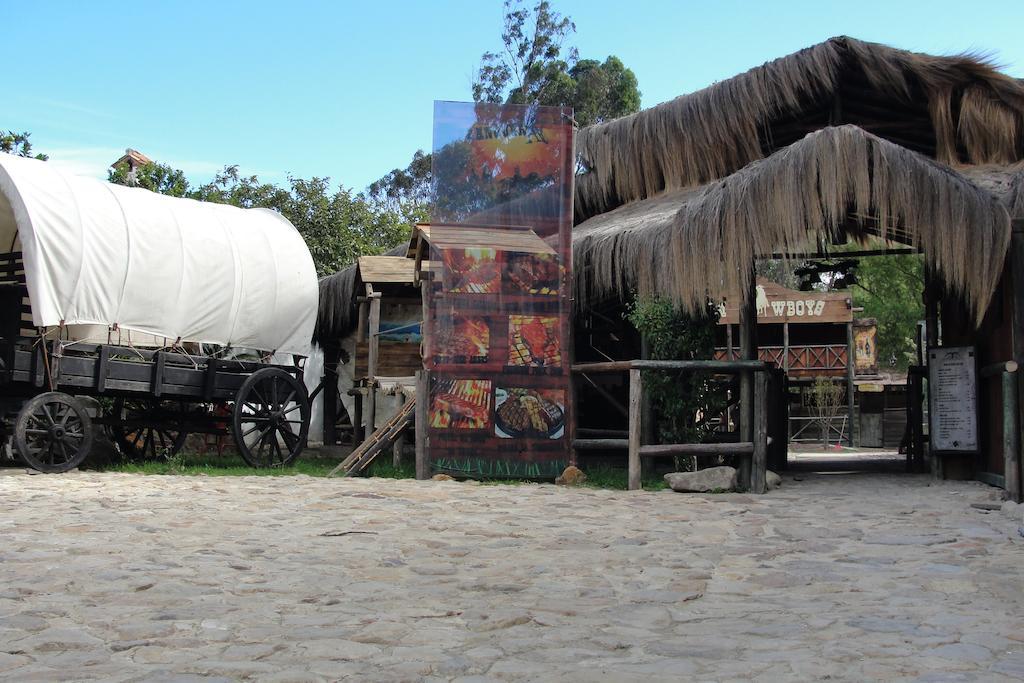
<point x="953" y="399"/>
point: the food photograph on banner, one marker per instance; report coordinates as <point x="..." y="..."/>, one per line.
<point x="498" y="310"/>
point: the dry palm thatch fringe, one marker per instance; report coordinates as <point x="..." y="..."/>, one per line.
<point x="701" y="137"/>
<point x="694" y="244"/>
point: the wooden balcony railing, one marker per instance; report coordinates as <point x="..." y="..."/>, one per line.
<point x="815" y="359"/>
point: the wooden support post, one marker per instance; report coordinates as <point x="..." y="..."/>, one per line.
<point x="362" y="321"/>
<point x="785" y="346"/>
<point x="1016" y="258"/>
<point x="728" y="342"/>
<point x="358" y="433"/>
<point x="422" y="397"/>
<point x="850" y="393"/>
<point x="636" y="394"/>
<point x="759" y="460"/>
<point x="1011" y="437"/>
<point x="748" y="351"/>
<point x="371" y="363"/>
<point x="931" y="322"/>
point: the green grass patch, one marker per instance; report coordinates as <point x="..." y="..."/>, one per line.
<point x="232" y="465"/>
<point x="213" y="465"/>
<point x="616" y="478"/>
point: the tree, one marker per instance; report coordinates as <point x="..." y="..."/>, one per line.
<point x="406" y="191"/>
<point x="154" y="177"/>
<point x="826" y="399"/>
<point x="534" y="66"/>
<point x="19" y="145"/>
<point x="889" y="290"/>
<point x="531" y="61"/>
<point x="603" y="91"/>
<point x="684" y="402"/>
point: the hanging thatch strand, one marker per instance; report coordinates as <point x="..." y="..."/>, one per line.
<point x="976" y="112"/>
<point x="698" y="243"/>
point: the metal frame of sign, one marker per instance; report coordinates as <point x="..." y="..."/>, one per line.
<point x="931" y="412"/>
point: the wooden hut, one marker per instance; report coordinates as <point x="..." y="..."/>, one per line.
<point x="843" y="141"/>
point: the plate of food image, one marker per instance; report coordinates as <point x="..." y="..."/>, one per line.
<point x="534" y="413"/>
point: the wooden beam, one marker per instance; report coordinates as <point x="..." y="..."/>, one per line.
<point x="1011" y="436"/>
<point x="724" y="366"/>
<point x="1016" y="258"/>
<point x="422" y="397"/>
<point x="738" y="448"/>
<point x="371" y="363"/>
<point x="600" y="444"/>
<point x="850" y="367"/>
<point x="636" y="391"/>
<point x="759" y="461"/>
<point x="748" y="352"/>
<point x="860" y="253"/>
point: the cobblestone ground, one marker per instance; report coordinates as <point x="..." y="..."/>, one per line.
<point x="127" y="577"/>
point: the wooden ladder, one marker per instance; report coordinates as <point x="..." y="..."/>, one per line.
<point x="377" y="442"/>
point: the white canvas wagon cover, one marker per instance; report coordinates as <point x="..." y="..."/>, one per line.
<point x="102" y="254"/>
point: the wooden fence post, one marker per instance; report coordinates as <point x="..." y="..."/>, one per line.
<point x="636" y="399"/>
<point x="371" y="363"/>
<point x="759" y="460"/>
<point x="1011" y="437"/>
<point x="748" y="351"/>
<point x="422" y="396"/>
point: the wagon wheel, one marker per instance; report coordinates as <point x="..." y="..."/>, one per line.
<point x="147" y="430"/>
<point x="271" y="418"/>
<point x="53" y="433"/>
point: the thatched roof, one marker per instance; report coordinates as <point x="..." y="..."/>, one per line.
<point x="679" y="196"/>
<point x="691" y="244"/>
<point x="954" y="109"/>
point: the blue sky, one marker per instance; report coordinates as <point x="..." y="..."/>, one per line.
<point x="346" y="89"/>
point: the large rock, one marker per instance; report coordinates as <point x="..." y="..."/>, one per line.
<point x="571" y="476"/>
<point x="773" y="480"/>
<point x="702" y="481"/>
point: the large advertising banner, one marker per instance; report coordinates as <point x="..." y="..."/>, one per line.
<point x="498" y="308"/>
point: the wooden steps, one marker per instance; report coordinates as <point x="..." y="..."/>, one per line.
<point x="377" y="442"/>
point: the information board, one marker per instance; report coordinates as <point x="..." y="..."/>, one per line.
<point x="953" y="399"/>
<point x="498" y="308"/>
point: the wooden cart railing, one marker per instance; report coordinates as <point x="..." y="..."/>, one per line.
<point x="753" y="470"/>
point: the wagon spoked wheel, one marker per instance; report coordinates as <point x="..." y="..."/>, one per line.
<point x="53" y="433"/>
<point x="271" y="418"/>
<point x="147" y="430"/>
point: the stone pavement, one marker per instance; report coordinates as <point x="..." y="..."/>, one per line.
<point x="839" y="577"/>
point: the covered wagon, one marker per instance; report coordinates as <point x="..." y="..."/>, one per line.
<point x="188" y="316"/>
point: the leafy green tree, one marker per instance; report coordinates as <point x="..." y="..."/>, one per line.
<point x="535" y="66"/>
<point x="406" y="191"/>
<point x="531" y="60"/>
<point x="19" y="145"/>
<point x="682" y="402"/>
<point x="603" y="91"/>
<point x="889" y="290"/>
<point x="154" y="177"/>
